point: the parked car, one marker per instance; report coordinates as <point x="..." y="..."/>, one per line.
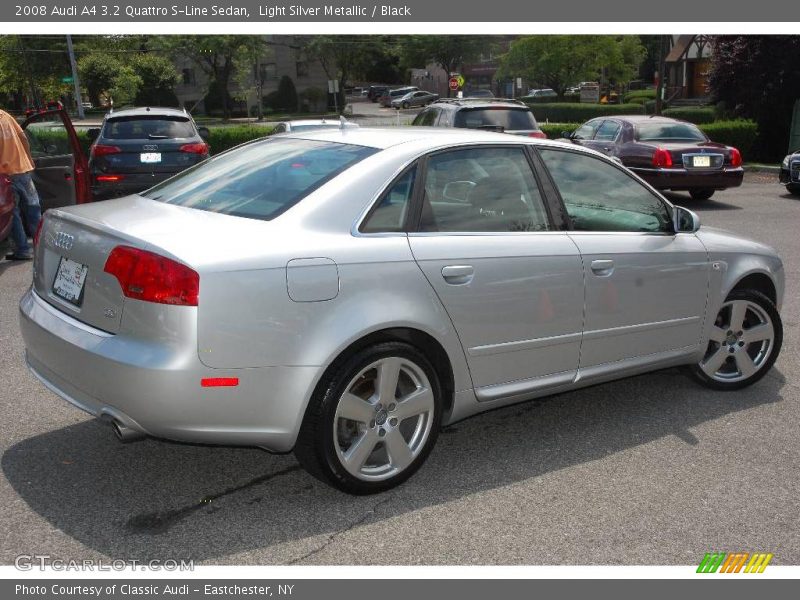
<point x="374" y="92"/>
<point x="492" y="114"/>
<point x="417" y="98"/>
<point x="667" y="153"/>
<point x="378" y="284"/>
<point x="387" y="97"/>
<point x="543" y="93"/>
<point x="790" y="173"/>
<point x="61" y="173"/>
<point x="309" y="124"/>
<point x="478" y="94"/>
<point x="138" y="147"/>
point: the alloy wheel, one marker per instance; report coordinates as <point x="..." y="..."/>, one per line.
<point x="383" y="419"/>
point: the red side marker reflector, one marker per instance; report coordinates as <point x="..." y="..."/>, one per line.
<point x="219" y="382"/>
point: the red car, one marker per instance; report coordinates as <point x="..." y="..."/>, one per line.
<point x="61" y="172"/>
<point x="669" y="154"/>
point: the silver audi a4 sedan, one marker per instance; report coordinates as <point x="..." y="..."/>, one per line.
<point x="343" y="294"/>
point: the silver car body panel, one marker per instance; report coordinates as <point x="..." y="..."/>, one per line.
<point x="281" y="300"/>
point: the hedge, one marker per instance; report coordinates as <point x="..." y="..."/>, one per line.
<point x="573" y="112"/>
<point x="223" y="138"/>
<point x="693" y="114"/>
<point x="553" y="130"/>
<point x="639" y="96"/>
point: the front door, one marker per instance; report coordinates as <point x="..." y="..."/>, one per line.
<point x="646" y="286"/>
<point x="511" y="284"/>
<point x="60" y="175"/>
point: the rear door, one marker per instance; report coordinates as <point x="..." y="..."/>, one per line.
<point x="60" y="173"/>
<point x="510" y="280"/>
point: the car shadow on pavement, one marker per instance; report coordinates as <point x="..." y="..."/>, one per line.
<point x="698" y="205"/>
<point x="155" y="500"/>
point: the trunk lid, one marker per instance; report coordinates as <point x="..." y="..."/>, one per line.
<point x="684" y="153"/>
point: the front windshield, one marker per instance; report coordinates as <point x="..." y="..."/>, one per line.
<point x="667" y="132"/>
<point x="259" y="180"/>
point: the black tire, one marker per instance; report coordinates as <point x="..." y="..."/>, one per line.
<point x="768" y="307"/>
<point x="701" y="194"/>
<point x="316" y="448"/>
<point x="406" y="105"/>
<point x="793" y="189"/>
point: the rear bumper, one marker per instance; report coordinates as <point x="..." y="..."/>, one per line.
<point x="156" y="390"/>
<point x="130" y="184"/>
<point x="685" y="179"/>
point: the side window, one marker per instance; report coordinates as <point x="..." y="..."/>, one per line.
<point x="48" y="136"/>
<point x="601" y="197"/>
<point x="390" y="212"/>
<point x="482" y="190"/>
<point x="444" y="118"/>
<point x="586" y="131"/>
<point x="426" y="118"/>
<point x="607" y="132"/>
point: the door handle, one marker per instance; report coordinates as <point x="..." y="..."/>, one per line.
<point x="602" y="268"/>
<point x="458" y="274"/>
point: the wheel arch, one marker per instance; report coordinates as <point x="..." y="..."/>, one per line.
<point x="760" y="282"/>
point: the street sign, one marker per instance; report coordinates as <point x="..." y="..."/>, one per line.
<point x="453" y="83"/>
<point x="67" y="79"/>
<point x="333" y="86"/>
<point x="460" y="79"/>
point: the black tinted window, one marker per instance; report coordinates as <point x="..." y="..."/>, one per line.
<point x="390" y="213"/>
<point x="601" y="197"/>
<point x="652" y="132"/>
<point x="495" y="116"/>
<point x="259" y="180"/>
<point x="143" y="128"/>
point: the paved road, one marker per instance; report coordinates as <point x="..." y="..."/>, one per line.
<point x="651" y="470"/>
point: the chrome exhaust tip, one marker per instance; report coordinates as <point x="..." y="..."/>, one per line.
<point x="126" y="434"/>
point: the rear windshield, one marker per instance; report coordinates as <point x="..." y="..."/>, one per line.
<point x="259" y="180"/>
<point x="664" y="132"/>
<point x="148" y="128"/>
<point x="507" y="118"/>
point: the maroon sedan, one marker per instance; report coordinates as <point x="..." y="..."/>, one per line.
<point x="667" y="153"/>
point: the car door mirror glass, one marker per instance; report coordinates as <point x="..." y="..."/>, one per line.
<point x="93" y="133"/>
<point x="686" y="221"/>
<point x="458" y="191"/>
<point x="204" y="133"/>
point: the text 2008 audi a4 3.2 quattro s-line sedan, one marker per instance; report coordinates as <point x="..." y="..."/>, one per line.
<point x="344" y="294"/>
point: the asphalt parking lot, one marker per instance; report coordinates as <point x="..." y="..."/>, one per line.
<point x="649" y="470"/>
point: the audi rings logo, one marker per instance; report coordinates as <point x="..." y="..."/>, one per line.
<point x="62" y="240"/>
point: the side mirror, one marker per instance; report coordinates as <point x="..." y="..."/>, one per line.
<point x="204" y="133"/>
<point x="93" y="133"/>
<point x="685" y="220"/>
<point x="457" y="191"/>
<point x="566" y="135"/>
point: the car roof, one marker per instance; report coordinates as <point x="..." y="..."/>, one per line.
<point x="149" y="111"/>
<point x="637" y="119"/>
<point x="480" y="102"/>
<point x="388" y="137"/>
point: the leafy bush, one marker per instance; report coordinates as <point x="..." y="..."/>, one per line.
<point x="693" y="114"/>
<point x="741" y="134"/>
<point x="223" y="138"/>
<point x="284" y="98"/>
<point x="639" y="96"/>
<point x="553" y="130"/>
<point x="570" y="112"/>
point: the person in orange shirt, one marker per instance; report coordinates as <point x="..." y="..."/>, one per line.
<point x="16" y="162"/>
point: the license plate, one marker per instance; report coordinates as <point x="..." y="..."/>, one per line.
<point x="69" y="281"/>
<point x="701" y="161"/>
<point x="150" y="157"/>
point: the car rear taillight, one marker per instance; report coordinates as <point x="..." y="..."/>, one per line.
<point x="538" y="134"/>
<point x="662" y="158"/>
<point x="102" y="150"/>
<point x="195" y="148"/>
<point x="38" y="233"/>
<point x="107" y="178"/>
<point x="150" y="277"/>
<point x="736" y="158"/>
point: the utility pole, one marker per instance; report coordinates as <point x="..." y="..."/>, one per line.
<point x="75" y="81"/>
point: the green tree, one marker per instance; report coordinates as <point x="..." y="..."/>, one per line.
<point x="34" y="66"/>
<point x="342" y="56"/>
<point x="125" y="86"/>
<point x="215" y="55"/>
<point x="97" y="72"/>
<point x="159" y="78"/>
<point x="758" y="77"/>
<point x="559" y="61"/>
